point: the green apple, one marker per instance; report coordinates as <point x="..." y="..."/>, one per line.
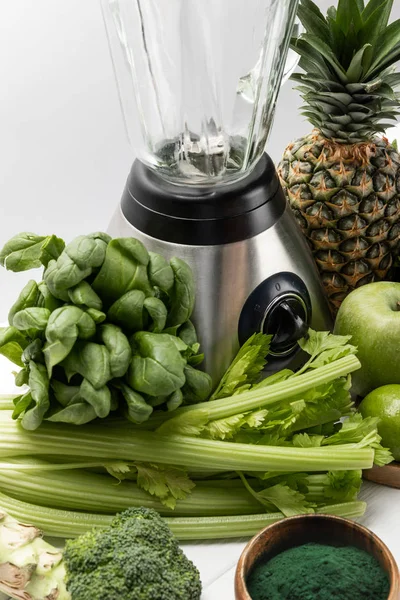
<point x="371" y="315"/>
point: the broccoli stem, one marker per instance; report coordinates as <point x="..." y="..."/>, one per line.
<point x="67" y="524"/>
<point x="110" y="443"/>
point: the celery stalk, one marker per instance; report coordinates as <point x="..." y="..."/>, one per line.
<point x="6" y="402"/>
<point x="263" y="397"/>
<point x="99" y="441"/>
<point x="81" y="490"/>
<point x="61" y="523"/>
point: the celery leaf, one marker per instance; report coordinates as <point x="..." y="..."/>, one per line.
<point x="168" y="484"/>
<point x="245" y="369"/>
<point x="343" y="486"/>
<point x="190" y="423"/>
<point x="222" y="429"/>
<point x="289" y="501"/>
<point x="317" y="341"/>
<point x="354" y="430"/>
<point x="303" y="440"/>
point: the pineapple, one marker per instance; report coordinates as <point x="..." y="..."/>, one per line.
<point x="343" y="179"/>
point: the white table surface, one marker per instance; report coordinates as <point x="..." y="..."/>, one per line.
<point x="217" y="560"/>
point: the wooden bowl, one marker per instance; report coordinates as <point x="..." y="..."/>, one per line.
<point x="387" y="475"/>
<point x="325" y="529"/>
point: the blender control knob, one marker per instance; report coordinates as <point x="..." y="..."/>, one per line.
<point x="287" y="322"/>
<point x="279" y="306"/>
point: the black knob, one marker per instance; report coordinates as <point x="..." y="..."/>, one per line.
<point x="281" y="306"/>
<point x="287" y="322"/>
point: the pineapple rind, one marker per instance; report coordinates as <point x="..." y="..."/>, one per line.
<point x="346" y="199"/>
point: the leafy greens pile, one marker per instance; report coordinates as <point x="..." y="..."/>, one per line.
<point x="256" y="452"/>
<point x="108" y="327"/>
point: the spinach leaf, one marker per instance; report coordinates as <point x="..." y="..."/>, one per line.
<point x="175" y="400"/>
<point x="97" y="315"/>
<point x="118" y="348"/>
<point x="63" y="274"/>
<point x="28" y="297"/>
<point x="28" y="251"/>
<point x="158" y="313"/>
<point x="84" y="294"/>
<point x="78" y="413"/>
<point x="127" y="311"/>
<point x="124" y="269"/>
<point x="91" y="361"/>
<point x="52" y="247"/>
<point x="182" y="294"/>
<point x="22" y="377"/>
<point x="65" y="394"/>
<point x="33" y="352"/>
<point x="46" y="298"/>
<point x="197" y="387"/>
<point x="12" y="344"/>
<point x="157" y="367"/>
<point x="39" y="389"/>
<point x="33" y="318"/>
<point x="87" y="250"/>
<point x="99" y="399"/>
<point x="22" y="404"/>
<point x="160" y="272"/>
<point x="187" y="333"/>
<point x="64" y="327"/>
<point x="137" y="408"/>
<point x="75" y="264"/>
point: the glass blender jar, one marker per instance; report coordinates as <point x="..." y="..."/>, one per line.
<point x="198" y="81"/>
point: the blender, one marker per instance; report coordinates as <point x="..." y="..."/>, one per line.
<point x="198" y="82"/>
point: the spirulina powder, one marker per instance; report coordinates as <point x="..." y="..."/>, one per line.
<point x="319" y="572"/>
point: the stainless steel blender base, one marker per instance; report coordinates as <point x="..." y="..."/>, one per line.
<point x="227" y="274"/>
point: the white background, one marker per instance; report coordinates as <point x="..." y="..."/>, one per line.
<point x="64" y="154"/>
<point x="64" y="158"/>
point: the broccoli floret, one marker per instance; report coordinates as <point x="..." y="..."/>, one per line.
<point x="136" y="558"/>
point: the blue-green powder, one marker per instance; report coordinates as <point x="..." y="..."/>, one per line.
<point x="319" y="572"/>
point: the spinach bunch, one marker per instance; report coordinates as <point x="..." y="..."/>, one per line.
<point x="108" y="328"/>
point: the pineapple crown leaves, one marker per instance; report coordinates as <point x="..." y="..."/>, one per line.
<point x="350" y="85"/>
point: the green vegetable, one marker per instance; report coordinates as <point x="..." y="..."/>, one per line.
<point x="30" y="251"/>
<point x="62" y="523"/>
<point x="157" y="367"/>
<point x="130" y="443"/>
<point x="135" y="557"/>
<point x="64" y="327"/>
<point x="27" y="298"/>
<point x="182" y="294"/>
<point x="97" y="321"/>
<point x="84" y="295"/>
<point x="12" y="344"/>
<point x="124" y="269"/>
<point x="39" y="391"/>
<point x="246" y="367"/>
